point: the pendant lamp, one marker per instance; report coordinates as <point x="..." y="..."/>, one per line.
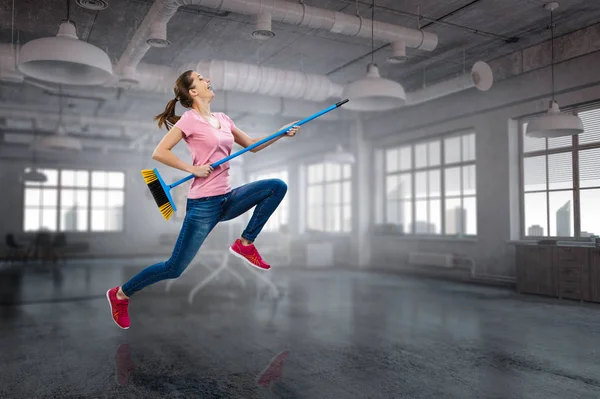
<point x="554" y="123"/>
<point x="64" y="59"/>
<point x="374" y="93"/>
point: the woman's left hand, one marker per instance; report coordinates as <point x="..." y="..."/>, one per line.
<point x="292" y="132"/>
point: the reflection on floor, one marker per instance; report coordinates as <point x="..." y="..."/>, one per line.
<point x="328" y="334"/>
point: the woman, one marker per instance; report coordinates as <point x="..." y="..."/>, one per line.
<point x="209" y="137"/>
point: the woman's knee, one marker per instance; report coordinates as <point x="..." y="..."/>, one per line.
<point x="279" y="186"/>
<point x="174" y="269"/>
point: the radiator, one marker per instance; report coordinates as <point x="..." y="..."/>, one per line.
<point x="430" y="259"/>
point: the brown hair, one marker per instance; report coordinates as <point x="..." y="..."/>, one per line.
<point x="182" y="87"/>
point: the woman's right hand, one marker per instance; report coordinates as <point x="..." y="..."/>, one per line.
<point x="202" y="171"/>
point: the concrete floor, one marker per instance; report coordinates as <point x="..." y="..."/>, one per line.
<point x="340" y="334"/>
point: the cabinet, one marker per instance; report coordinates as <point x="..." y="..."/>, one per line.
<point x="573" y="273"/>
<point x="536" y="272"/>
<point x="559" y="271"/>
<point x="595" y="275"/>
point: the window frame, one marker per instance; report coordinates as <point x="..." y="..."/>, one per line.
<point x="442" y="166"/>
<point x="325" y="205"/>
<point x="574" y="149"/>
<point x="285" y="203"/>
<point x="89" y="188"/>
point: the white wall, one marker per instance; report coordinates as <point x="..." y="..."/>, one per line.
<point x="492" y="115"/>
<point x="143" y="223"/>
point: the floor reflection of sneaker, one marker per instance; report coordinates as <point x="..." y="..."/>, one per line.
<point x="124" y="364"/>
<point x="249" y="254"/>
<point x="274" y="371"/>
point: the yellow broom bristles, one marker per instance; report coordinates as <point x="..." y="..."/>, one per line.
<point x="166" y="210"/>
<point x="149" y="176"/>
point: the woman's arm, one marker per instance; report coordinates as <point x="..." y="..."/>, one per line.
<point x="162" y="153"/>
<point x="244" y="140"/>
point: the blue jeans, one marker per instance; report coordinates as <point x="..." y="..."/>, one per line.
<point x="202" y="215"/>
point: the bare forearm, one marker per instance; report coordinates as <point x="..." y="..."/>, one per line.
<point x="265" y="145"/>
<point x="168" y="158"/>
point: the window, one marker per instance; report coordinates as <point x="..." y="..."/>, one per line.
<point x="107" y="198"/>
<point x="561" y="182"/>
<point x="75" y="201"/>
<point x="41" y="199"/>
<point x="430" y="186"/>
<point x="280" y="217"/>
<point x="329" y="197"/>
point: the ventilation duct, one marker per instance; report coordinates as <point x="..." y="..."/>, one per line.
<point x="238" y="77"/>
<point x="250" y="79"/>
<point x="480" y="77"/>
<point x="247" y="78"/>
<point x="153" y="29"/>
<point x="398" y="52"/>
<point x="263" y="27"/>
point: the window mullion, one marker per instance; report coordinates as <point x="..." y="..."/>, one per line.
<point x="89" y="210"/>
<point x="443" y="185"/>
<point x="576" y="198"/>
<point x="522" y="181"/>
<point x="462" y="188"/>
<point x="413" y="208"/>
<point x="547" y="190"/>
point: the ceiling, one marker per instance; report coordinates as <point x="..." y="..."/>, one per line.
<point x="468" y="31"/>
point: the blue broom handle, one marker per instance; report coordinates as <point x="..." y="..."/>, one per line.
<point x="261" y="142"/>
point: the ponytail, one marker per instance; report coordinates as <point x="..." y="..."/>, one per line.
<point x="168" y="117"/>
<point x="182" y="87"/>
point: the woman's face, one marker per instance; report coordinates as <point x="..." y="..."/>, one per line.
<point x="201" y="87"/>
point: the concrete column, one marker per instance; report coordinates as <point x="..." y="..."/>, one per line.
<point x="362" y="188"/>
<point x="295" y="193"/>
<point x="493" y="193"/>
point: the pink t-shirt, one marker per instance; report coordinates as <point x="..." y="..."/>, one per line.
<point x="207" y="145"/>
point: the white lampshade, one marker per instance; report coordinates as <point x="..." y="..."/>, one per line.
<point x="373" y="93"/>
<point x="64" y="59"/>
<point x="339" y="156"/>
<point x="554" y="124"/>
<point x="60" y="141"/>
<point x="35" y="175"/>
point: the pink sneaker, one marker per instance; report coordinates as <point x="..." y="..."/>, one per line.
<point x="118" y="308"/>
<point x="274" y="371"/>
<point x="248" y="254"/>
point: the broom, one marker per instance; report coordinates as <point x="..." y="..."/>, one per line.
<point x="162" y="192"/>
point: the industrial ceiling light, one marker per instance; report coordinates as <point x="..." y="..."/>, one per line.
<point x="339" y="156"/>
<point x="554" y="123"/>
<point x="373" y="93"/>
<point x="64" y="59"/>
<point x="34" y="175"/>
<point x="263" y="29"/>
<point x="60" y="140"/>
